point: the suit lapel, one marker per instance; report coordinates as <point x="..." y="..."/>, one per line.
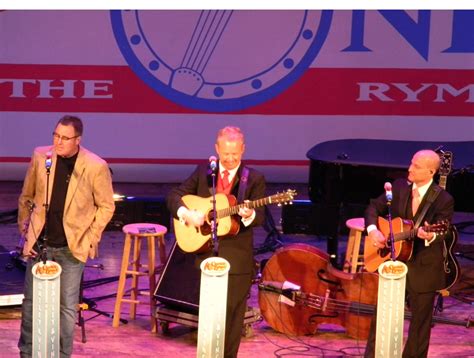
<point x="427" y="195"/>
<point x="235" y="182"/>
<point x="404" y="206"/>
<point x="54" y="158"/>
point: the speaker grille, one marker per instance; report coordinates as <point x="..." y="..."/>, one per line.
<point x="178" y="286"/>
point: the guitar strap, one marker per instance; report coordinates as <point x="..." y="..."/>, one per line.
<point x="244" y="178"/>
<point x="431" y="197"/>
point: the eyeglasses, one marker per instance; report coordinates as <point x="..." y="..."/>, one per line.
<point x="63" y="138"/>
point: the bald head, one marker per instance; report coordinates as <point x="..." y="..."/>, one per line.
<point x="423" y="167"/>
<point x="430" y="158"/>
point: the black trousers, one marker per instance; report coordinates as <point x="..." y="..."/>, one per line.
<point x="238" y="290"/>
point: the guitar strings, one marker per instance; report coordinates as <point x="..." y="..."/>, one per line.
<point x="274" y="199"/>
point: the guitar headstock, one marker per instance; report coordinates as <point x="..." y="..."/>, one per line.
<point x="441" y="227"/>
<point x="446" y="164"/>
<point x="284" y="198"/>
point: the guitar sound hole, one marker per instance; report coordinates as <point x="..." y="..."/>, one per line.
<point x="210" y="216"/>
<point x="205" y="229"/>
<point x="384" y="251"/>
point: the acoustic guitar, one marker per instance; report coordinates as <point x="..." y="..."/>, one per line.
<point x="197" y="239"/>
<point x="404" y="234"/>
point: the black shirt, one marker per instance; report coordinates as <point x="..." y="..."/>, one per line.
<point x="64" y="169"/>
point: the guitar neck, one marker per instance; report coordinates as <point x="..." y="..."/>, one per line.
<point x="442" y="181"/>
<point x="405" y="235"/>
<point x="233" y="210"/>
<point x="411" y="234"/>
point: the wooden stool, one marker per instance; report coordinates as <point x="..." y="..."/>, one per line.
<point x="353" y="259"/>
<point x="135" y="233"/>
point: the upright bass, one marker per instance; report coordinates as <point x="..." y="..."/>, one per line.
<point x="300" y="290"/>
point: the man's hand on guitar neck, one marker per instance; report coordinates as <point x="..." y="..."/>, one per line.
<point x="425" y="235"/>
<point x="190" y="217"/>
<point x="247" y="214"/>
<point x="429" y="237"/>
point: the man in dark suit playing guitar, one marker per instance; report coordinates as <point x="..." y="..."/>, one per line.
<point x="426" y="265"/>
<point x="237" y="249"/>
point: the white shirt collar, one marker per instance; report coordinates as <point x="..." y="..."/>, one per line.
<point x="232" y="172"/>
<point x="422" y="189"/>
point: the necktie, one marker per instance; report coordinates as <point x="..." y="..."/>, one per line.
<point x="225" y="179"/>
<point x="415" y="200"/>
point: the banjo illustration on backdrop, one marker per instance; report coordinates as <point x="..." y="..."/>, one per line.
<point x="220" y="60"/>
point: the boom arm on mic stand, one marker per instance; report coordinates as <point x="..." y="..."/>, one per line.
<point x="214" y="240"/>
<point x="389" y="196"/>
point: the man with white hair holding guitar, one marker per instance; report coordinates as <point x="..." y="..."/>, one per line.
<point x="238" y="249"/>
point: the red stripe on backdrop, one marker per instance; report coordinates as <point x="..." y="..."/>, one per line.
<point x="172" y="161"/>
<point x="320" y="91"/>
<point x="14" y="160"/>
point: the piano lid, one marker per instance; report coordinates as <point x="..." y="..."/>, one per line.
<point x="388" y="153"/>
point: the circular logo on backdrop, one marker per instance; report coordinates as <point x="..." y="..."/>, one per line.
<point x="220" y="60"/>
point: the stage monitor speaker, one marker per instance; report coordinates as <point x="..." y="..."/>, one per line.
<point x="139" y="210"/>
<point x="305" y="217"/>
<point x="178" y="286"/>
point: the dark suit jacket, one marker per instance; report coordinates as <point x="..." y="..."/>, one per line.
<point x="238" y="250"/>
<point x="425" y="267"/>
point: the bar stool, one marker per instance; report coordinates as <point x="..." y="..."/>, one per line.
<point x="353" y="259"/>
<point x="135" y="233"/>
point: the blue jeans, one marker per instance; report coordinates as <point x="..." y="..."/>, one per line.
<point x="71" y="275"/>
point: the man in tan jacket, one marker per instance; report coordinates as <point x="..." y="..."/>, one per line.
<point x="80" y="204"/>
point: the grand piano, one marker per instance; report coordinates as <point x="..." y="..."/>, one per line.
<point x="346" y="174"/>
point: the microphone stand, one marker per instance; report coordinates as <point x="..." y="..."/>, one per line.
<point x="214" y="241"/>
<point x="391" y="236"/>
<point x="44" y="255"/>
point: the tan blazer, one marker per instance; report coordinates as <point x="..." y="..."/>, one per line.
<point x="89" y="202"/>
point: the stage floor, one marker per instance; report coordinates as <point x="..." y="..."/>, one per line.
<point x="134" y="339"/>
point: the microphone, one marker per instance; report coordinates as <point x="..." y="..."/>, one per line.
<point x="388" y="191"/>
<point x="48" y="162"/>
<point x="285" y="288"/>
<point x="213" y="162"/>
